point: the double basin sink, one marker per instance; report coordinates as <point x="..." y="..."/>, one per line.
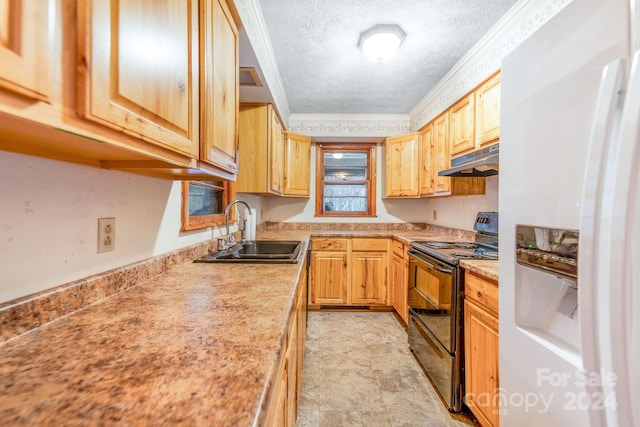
<point x="259" y="251"/>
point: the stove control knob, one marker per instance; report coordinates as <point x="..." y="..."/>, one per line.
<point x="562" y="260"/>
<point x="554" y="258"/>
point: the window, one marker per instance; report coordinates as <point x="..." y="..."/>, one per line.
<point x="346" y="180"/>
<point x="203" y="203"/>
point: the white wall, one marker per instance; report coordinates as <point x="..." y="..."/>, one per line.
<point x="48" y="221"/>
<point x="457" y="212"/>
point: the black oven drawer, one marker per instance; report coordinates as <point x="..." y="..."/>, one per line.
<point x="442" y="368"/>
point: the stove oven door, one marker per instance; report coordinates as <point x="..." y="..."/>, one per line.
<point x="434" y="330"/>
<point x="442" y="368"/>
<point x="433" y="297"/>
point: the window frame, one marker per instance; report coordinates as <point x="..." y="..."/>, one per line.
<point x="196" y="222"/>
<point x="370" y="151"/>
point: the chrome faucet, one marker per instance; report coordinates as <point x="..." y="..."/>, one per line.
<point x="229" y="240"/>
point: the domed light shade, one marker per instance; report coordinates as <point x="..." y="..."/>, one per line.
<point x="381" y="42"/>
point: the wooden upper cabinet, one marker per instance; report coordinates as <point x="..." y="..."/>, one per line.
<point x="25" y="48"/>
<point x="426" y="156"/>
<point x="272" y="161"/>
<point x="462" y="125"/>
<point x="488" y="112"/>
<point x="297" y="165"/>
<point x="219" y="86"/>
<point x="442" y="160"/>
<point x="402" y="165"/>
<point x="261" y="150"/>
<point x="276" y="154"/>
<point x="139" y="69"/>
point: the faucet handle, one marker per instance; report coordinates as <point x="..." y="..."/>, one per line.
<point x="231" y="240"/>
<point x="222" y="244"/>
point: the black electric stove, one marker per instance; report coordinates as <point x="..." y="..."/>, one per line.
<point x="436" y="310"/>
<point x="485" y="245"/>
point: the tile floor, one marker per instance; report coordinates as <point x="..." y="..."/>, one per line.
<point x="359" y="371"/>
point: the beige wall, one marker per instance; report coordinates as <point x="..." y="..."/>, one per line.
<point x="48" y="221"/>
<point x="456" y="212"/>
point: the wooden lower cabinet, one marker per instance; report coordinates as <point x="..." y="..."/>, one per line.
<point x="368" y="277"/>
<point x="481" y="349"/>
<point x="349" y="272"/>
<point x="328" y="283"/>
<point x="399" y="276"/>
<point x="285" y="390"/>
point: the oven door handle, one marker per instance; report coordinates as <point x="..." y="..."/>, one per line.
<point x="437" y="268"/>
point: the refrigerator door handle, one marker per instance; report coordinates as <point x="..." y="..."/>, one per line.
<point x="605" y="120"/>
<point x="619" y="333"/>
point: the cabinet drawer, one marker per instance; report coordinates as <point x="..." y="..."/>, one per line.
<point x="482" y="291"/>
<point x="369" y="245"/>
<point x="398" y="247"/>
<point x="339" y="245"/>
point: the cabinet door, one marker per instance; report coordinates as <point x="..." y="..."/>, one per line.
<point x="219" y="86"/>
<point x="402" y="171"/>
<point x="488" y="112"/>
<point x="297" y="160"/>
<point x="328" y="278"/>
<point x="461" y="125"/>
<point x="442" y="158"/>
<point x="139" y="69"/>
<point x="25" y="47"/>
<point x="481" y="364"/>
<point x="398" y="278"/>
<point x="368" y="277"/>
<point x="426" y="161"/>
<point x="292" y="370"/>
<point x="302" y="333"/>
<point x="276" y="154"/>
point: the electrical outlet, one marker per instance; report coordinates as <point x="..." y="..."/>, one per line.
<point x="106" y="234"/>
<point x="435" y="215"/>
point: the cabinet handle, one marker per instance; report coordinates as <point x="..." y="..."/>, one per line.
<point x="479" y="294"/>
<point x="182" y="87"/>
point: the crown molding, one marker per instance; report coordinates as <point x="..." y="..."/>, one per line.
<point x="349" y="125"/>
<point x="480" y="62"/>
<point x="253" y="22"/>
<point x="485" y="57"/>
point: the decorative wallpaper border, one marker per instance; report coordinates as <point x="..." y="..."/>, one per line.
<point x="480" y="62"/>
<point x="351" y="125"/>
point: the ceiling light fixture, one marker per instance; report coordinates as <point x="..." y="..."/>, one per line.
<point x="379" y="43"/>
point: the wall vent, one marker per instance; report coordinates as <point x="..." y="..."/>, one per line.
<point x="249" y="77"/>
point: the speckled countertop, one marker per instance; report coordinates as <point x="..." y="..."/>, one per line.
<point x="197" y="345"/>
<point x="486" y="268"/>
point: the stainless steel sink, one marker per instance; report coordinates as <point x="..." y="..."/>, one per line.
<point x="259" y="251"/>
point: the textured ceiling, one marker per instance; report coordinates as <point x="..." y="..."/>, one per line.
<point x="324" y="72"/>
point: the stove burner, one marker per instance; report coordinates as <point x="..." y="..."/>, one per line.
<point x="450" y="245"/>
<point x="476" y="255"/>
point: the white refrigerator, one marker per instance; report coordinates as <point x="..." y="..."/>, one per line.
<point x="570" y="160"/>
